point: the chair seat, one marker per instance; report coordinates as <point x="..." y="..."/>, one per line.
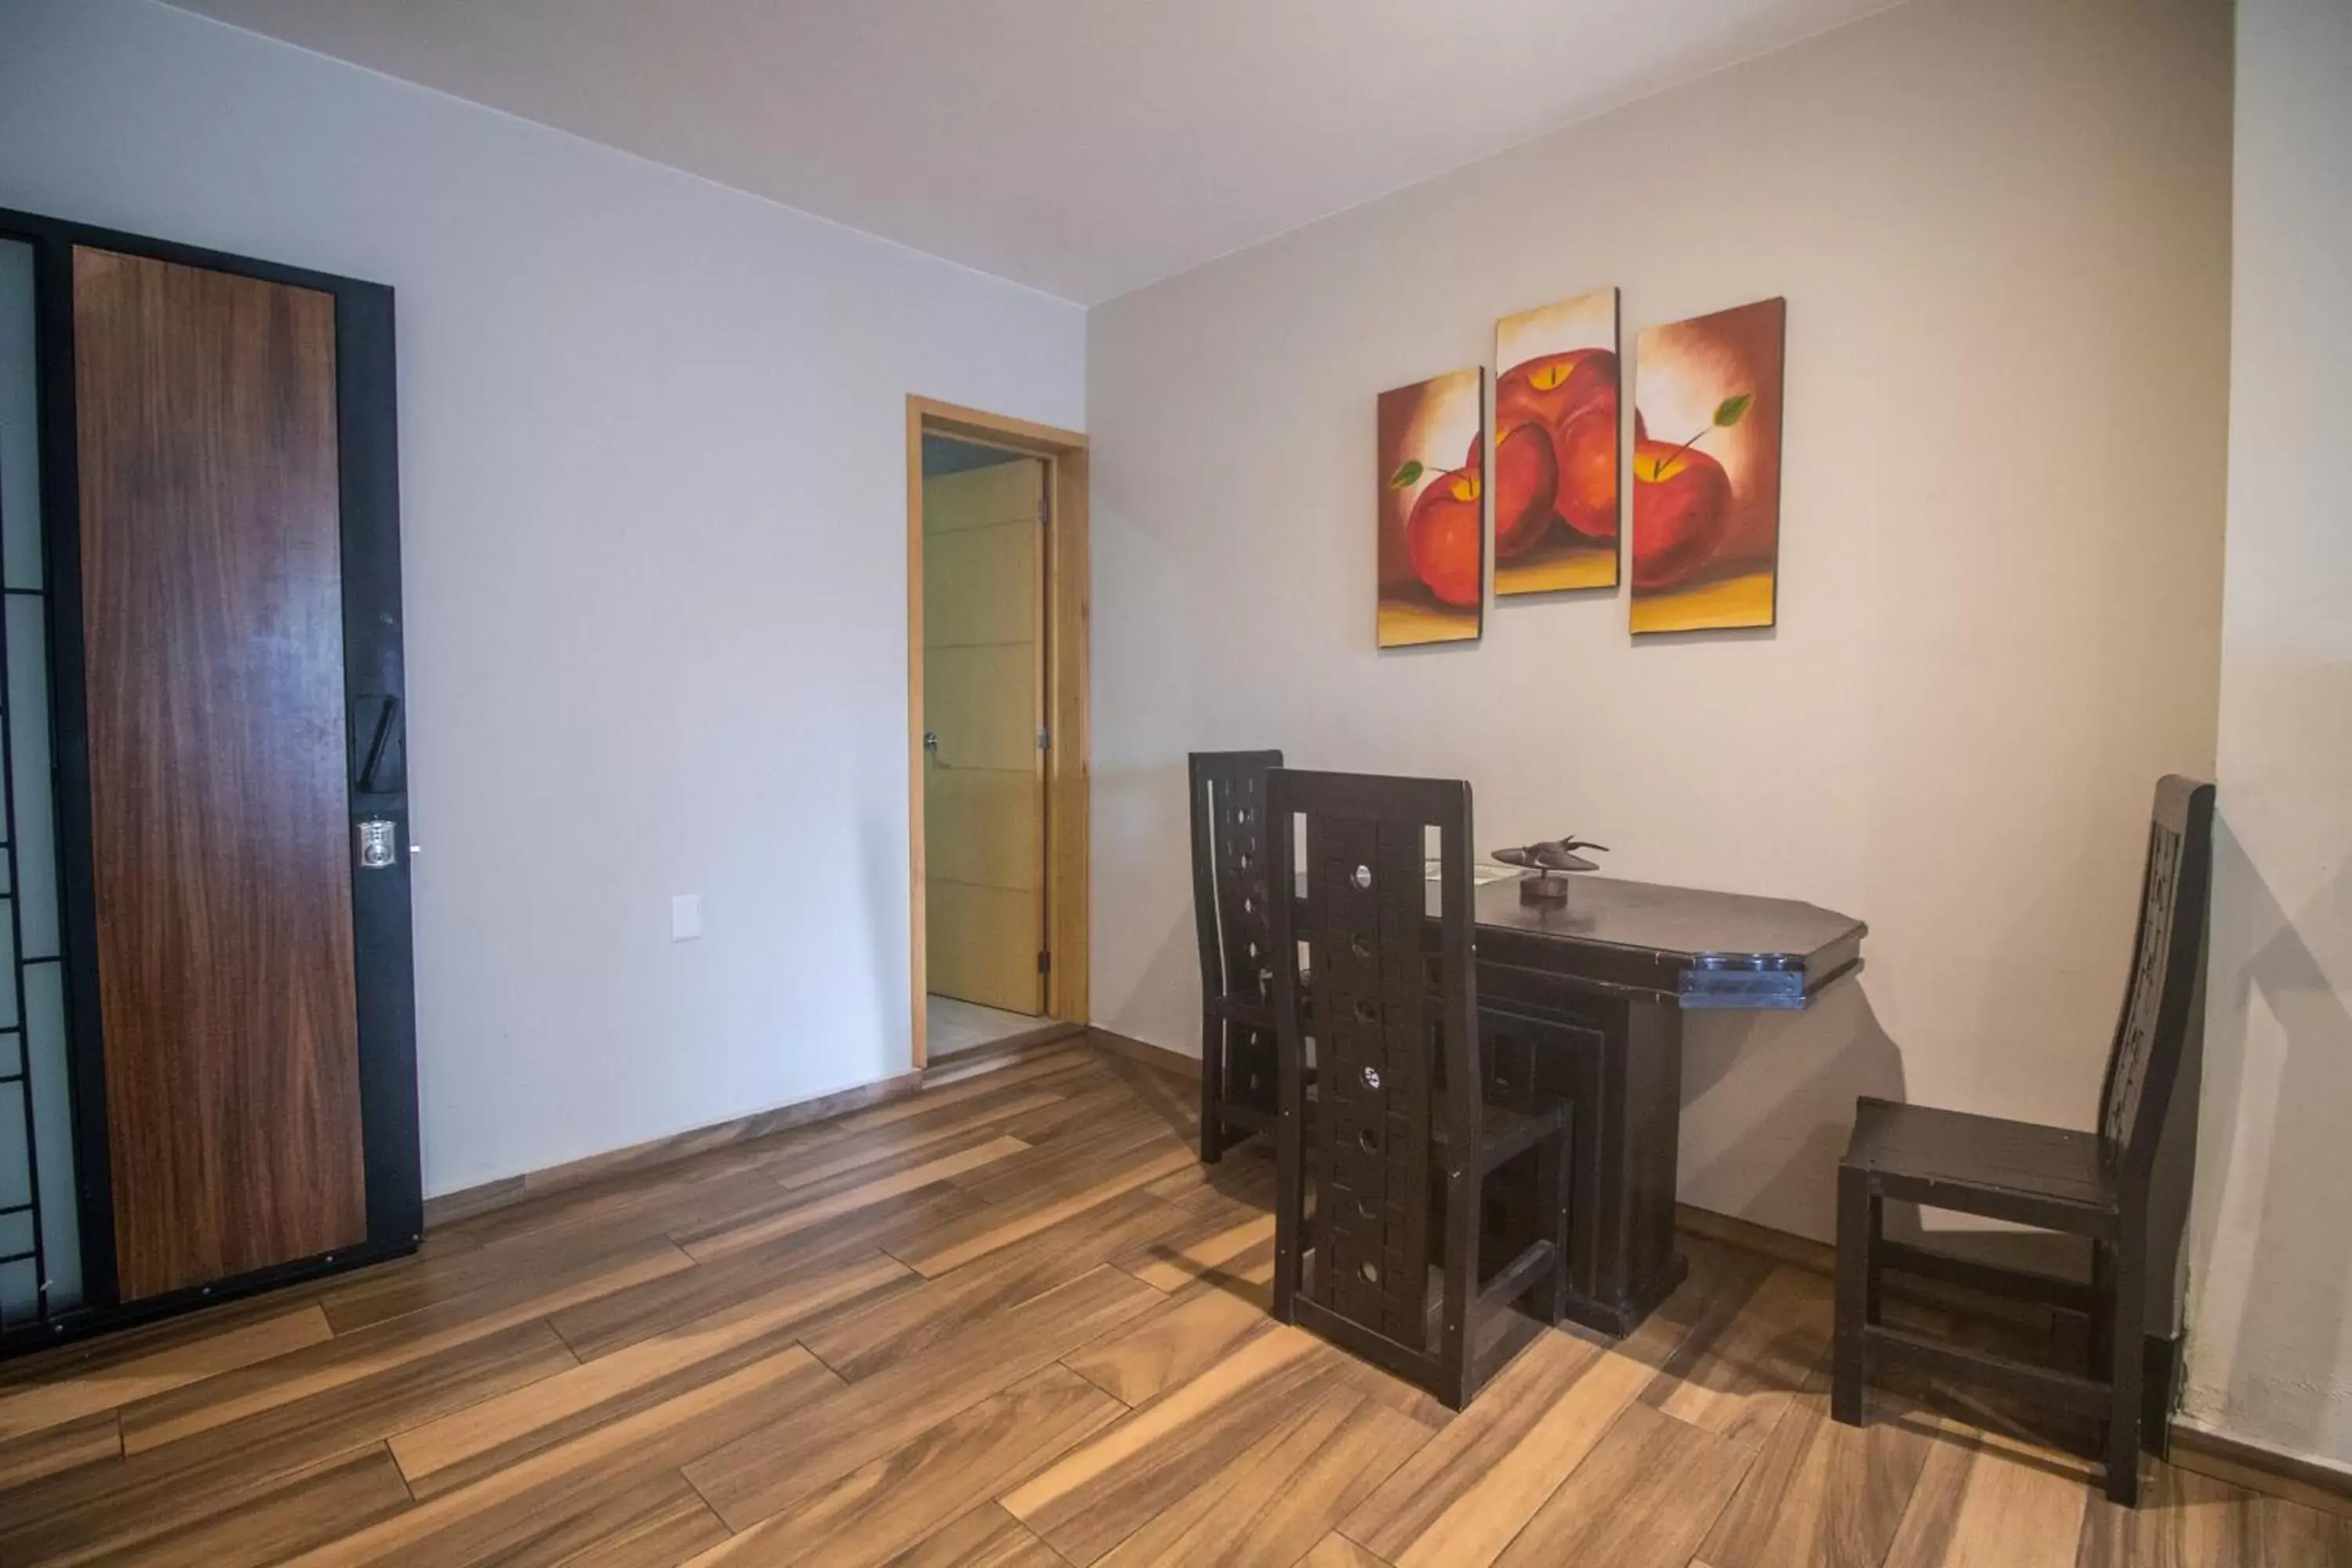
<point x="1985" y="1164"/>
<point x="1502" y="1132"/>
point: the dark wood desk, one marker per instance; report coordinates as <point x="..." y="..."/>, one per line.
<point x="1610" y="973"/>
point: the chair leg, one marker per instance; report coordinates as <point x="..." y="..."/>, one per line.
<point x="2102" y="1307"/>
<point x="1872" y="1303"/>
<point x="1289" y="1198"/>
<point x="1212" y="1088"/>
<point x="1856" y="1263"/>
<point x="1459" y="1325"/>
<point x="2124" y="1333"/>
<point x="1554" y="1191"/>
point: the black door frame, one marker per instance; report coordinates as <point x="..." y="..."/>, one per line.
<point x="376" y="773"/>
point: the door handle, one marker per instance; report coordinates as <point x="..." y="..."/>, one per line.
<point x="932" y="745"/>
<point x="379" y="748"/>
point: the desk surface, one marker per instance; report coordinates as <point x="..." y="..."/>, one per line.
<point x="1699" y="948"/>
<point x="1689" y="945"/>
<point x="1688" y="922"/>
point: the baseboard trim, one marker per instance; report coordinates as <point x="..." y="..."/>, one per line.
<point x="1159" y="1058"/>
<point x="2311" y="1482"/>
<point x="1821" y="1258"/>
<point x="467" y="1202"/>
<point x="1780" y="1245"/>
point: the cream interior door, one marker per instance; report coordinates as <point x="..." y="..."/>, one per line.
<point x="983" y="708"/>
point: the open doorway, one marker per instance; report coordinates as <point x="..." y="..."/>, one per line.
<point x="995" y="683"/>
<point x="984" y="743"/>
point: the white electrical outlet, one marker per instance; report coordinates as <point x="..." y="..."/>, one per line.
<point x="685" y="917"/>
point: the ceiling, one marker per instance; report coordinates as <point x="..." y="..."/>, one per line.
<point x="1082" y="147"/>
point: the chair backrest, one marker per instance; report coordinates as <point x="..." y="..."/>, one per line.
<point x="2167" y="964"/>
<point x="1229" y="872"/>
<point x="1394" y="999"/>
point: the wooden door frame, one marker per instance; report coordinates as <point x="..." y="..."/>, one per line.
<point x="1068" y="769"/>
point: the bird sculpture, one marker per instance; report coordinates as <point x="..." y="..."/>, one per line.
<point x="1545" y="857"/>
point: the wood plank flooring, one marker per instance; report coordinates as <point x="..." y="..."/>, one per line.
<point x="1009" y="1322"/>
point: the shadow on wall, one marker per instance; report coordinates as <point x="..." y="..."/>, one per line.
<point x="882" y="855"/>
<point x="1173" y="971"/>
<point x="1148" y="988"/>
<point x="1767" y="1108"/>
<point x="2267" y="1333"/>
<point x="1768" y="1103"/>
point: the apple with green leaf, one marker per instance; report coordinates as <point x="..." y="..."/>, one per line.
<point x="1682" y="501"/>
<point x="1441" y="536"/>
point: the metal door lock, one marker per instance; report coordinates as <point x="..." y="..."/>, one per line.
<point x="378" y="848"/>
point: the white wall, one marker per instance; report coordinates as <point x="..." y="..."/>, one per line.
<point x="2271" y="1351"/>
<point x="2003" y="229"/>
<point x="653" y="440"/>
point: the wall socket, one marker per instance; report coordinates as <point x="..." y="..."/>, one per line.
<point x="685" y="917"/>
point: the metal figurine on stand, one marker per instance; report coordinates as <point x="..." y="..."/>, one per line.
<point x="1552" y="860"/>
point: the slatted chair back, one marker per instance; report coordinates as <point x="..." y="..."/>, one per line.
<point x="1230" y="872"/>
<point x="2160" y="1006"/>
<point x="1395" y="1007"/>
<point x="1230" y="913"/>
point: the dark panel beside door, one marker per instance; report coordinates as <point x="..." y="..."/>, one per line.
<point x="213" y="641"/>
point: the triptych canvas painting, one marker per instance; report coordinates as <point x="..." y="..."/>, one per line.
<point x="1556" y="446"/>
<point x="1707" y="470"/>
<point x="1433" y="510"/>
<point x="1705" y="475"/>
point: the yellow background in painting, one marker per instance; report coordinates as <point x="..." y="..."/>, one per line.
<point x="1551" y="568"/>
<point x="1404" y="623"/>
<point x="1742" y="601"/>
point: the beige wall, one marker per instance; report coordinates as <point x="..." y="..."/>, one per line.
<point x="2002" y="229"/>
<point x="653" y="538"/>
<point x="2270" y="1353"/>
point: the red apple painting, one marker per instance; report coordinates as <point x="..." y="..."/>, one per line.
<point x="1556" y="446"/>
<point x="1432" y="558"/>
<point x="1707" y="470"/>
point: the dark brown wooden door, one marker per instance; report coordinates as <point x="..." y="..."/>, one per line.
<point x="213" y="640"/>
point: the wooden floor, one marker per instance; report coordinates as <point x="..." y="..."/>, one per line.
<point x="1007" y="1321"/>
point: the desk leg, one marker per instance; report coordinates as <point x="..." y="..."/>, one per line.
<point x="1620" y="1062"/>
<point x="1653" y="1122"/>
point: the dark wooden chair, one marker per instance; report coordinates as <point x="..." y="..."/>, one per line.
<point x="1411" y="1122"/>
<point x="1238" y="1075"/>
<point x="2091" y="1184"/>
